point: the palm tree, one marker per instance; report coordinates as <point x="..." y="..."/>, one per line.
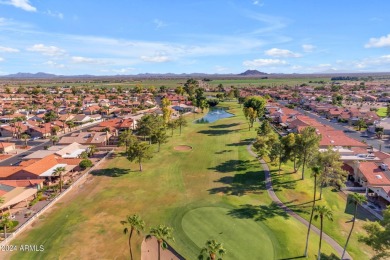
<point x="70" y="124"/>
<point x="322" y="212"/>
<point x="92" y="150"/>
<point x="25" y="137"/>
<point x="54" y="139"/>
<point x="212" y="248"/>
<point x="356" y="199"/>
<point x="58" y="172"/>
<point x="161" y="233"/>
<point x="361" y="123"/>
<point x="134" y="223"/>
<point x="6" y="222"/>
<point x="316" y="171"/>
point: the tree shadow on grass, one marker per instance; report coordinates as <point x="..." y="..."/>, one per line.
<point x="329" y="257"/>
<point x="232" y="166"/>
<point x="241" y="184"/>
<point x="258" y="213"/>
<point x="294" y="257"/>
<point x="216" y="132"/>
<point x="263" y="212"/>
<point x="223" y="151"/>
<point x="224" y="125"/>
<point x="280" y="184"/>
<point x="111" y="172"/>
<point x="362" y="213"/>
<point x="241" y="143"/>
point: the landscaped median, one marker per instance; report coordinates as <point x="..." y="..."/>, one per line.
<point x="215" y="191"/>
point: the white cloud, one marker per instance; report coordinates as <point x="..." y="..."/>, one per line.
<point x="373" y="62"/>
<point x="79" y="59"/>
<point x="55" y="14"/>
<point x="275" y="52"/>
<point x="308" y="47"/>
<point x="123" y="70"/>
<point x="159" y="24"/>
<point x="383" y="41"/>
<point x="54" y="64"/>
<point x="47" y="50"/>
<point x="1" y="59"/>
<point x="8" y="49"/>
<point x="263" y="63"/>
<point x="156" y="58"/>
<point x="272" y="23"/>
<point x="22" y="4"/>
<point x="258" y="3"/>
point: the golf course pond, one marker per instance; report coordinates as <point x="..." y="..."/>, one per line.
<point x="214" y="115"/>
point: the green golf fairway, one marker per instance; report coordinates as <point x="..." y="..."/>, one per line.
<point x="244" y="238"/>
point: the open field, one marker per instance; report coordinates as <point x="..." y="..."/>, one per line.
<point x="298" y="195"/>
<point x="267" y="82"/>
<point x="216" y="190"/>
<point x="172" y="83"/>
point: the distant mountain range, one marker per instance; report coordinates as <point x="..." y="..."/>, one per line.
<point x="248" y="74"/>
<point x="43" y="75"/>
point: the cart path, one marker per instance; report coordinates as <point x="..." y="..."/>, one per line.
<point x="268" y="184"/>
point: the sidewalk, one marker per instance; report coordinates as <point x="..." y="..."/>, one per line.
<point x="268" y="184"/>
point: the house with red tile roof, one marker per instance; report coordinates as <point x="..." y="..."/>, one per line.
<point x="37" y="168"/>
<point x="375" y="178"/>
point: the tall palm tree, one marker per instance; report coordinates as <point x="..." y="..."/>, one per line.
<point x="322" y="212"/>
<point x="134" y="223"/>
<point x="161" y="233"/>
<point x="212" y="248"/>
<point x="316" y="171"/>
<point x="356" y="199"/>
<point x="6" y="222"/>
<point x="58" y="172"/>
<point x="54" y="139"/>
<point x="25" y="137"/>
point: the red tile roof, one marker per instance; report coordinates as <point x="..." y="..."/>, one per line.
<point x="374" y="175"/>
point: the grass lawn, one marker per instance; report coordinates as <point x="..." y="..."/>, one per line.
<point x="215" y="191"/>
<point x="381" y="111"/>
<point x="298" y="195"/>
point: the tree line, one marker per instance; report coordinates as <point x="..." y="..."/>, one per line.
<point x="326" y="170"/>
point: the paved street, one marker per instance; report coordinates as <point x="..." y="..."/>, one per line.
<point x="38" y="145"/>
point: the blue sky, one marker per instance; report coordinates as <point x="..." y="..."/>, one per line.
<point x="101" y="37"/>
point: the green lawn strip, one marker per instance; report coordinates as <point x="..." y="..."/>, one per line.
<point x="381" y="111"/>
<point x="218" y="172"/>
<point x="298" y="194"/>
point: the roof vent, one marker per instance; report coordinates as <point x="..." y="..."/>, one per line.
<point x="378" y="177"/>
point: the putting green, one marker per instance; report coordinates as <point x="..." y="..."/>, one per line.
<point x="242" y="238"/>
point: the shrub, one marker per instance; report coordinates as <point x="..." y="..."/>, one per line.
<point x="85" y="164"/>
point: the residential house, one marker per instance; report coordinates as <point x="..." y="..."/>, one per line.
<point x="7" y="147"/>
<point x="37" y="168"/>
<point x="14" y="192"/>
<point x="87" y="138"/>
<point x="73" y="150"/>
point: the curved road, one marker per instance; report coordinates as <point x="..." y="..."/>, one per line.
<point x="271" y="193"/>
